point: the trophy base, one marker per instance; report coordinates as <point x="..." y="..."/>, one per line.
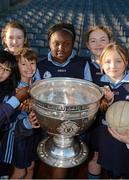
<point x="58" y="155"/>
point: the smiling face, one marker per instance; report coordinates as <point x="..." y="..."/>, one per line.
<point x="14" y="39"/>
<point x="5" y="72"/>
<point x="27" y="69"/>
<point x="98" y="39"/>
<point x="61" y="45"/>
<point x="114" y="65"/>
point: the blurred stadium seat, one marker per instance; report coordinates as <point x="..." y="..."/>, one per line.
<point x="38" y="15"/>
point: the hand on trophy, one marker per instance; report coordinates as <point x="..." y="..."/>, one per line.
<point x="26" y="105"/>
<point x="33" y="120"/>
<point x="64" y="107"/>
<point x="107" y="99"/>
<point x="108" y="94"/>
<point x="22" y="93"/>
<point x="24" y="97"/>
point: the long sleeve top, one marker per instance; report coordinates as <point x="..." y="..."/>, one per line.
<point x="7" y="109"/>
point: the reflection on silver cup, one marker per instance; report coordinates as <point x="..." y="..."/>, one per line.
<point x="65" y="107"/>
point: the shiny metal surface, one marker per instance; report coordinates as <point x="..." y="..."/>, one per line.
<point x="65" y="107"/>
<point x="62" y="156"/>
<point x="62" y="99"/>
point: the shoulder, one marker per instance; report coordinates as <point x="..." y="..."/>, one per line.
<point x="6" y="109"/>
<point x="42" y="61"/>
<point x="81" y="59"/>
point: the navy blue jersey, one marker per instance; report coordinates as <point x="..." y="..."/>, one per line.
<point x="7" y="141"/>
<point x="115" y="158"/>
<point x="120" y="90"/>
<point x="95" y="71"/>
<point x="92" y="133"/>
<point x="74" y="69"/>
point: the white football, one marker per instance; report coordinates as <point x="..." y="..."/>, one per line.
<point x="117" y="116"/>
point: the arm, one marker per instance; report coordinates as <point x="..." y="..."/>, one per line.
<point x="107" y="99"/>
<point x="108" y="94"/>
<point x="25" y="124"/>
<point x="23" y="127"/>
<point x="7" y="109"/>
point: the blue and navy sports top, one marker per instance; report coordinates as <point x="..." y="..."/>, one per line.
<point x="120" y="89"/>
<point x="95" y="70"/>
<point x="74" y="67"/>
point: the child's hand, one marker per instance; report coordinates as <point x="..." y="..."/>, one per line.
<point x="108" y="94"/>
<point x="26" y="105"/>
<point x="124" y="137"/>
<point x="22" y="93"/>
<point x="33" y="120"/>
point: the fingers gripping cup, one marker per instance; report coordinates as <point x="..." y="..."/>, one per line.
<point x="65" y="107"/>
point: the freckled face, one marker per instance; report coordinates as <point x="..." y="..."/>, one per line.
<point x="98" y="39"/>
<point x="114" y="66"/>
<point x="14" y="39"/>
<point x="27" y="69"/>
<point x="61" y="45"/>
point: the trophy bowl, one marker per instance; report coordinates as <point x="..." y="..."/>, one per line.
<point x="64" y="107"/>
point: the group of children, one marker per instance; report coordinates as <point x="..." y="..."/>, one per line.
<point x="19" y="68"/>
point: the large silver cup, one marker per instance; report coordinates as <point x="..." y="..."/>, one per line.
<point x="65" y="107"/>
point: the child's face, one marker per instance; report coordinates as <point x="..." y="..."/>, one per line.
<point x="113" y="65"/>
<point x="14" y="39"/>
<point x="4" y="72"/>
<point x="98" y="39"/>
<point x="61" y="45"/>
<point x="27" y="69"/>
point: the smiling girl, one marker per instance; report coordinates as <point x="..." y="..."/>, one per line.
<point x="96" y="40"/>
<point x="9" y="101"/>
<point x="23" y="157"/>
<point x="113" y="154"/>
<point x="13" y="36"/>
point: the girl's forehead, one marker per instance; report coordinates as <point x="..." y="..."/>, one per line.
<point x="5" y="64"/>
<point x="98" y="32"/>
<point x="24" y="59"/>
<point x="61" y="35"/>
<point x="12" y="30"/>
<point x="114" y="54"/>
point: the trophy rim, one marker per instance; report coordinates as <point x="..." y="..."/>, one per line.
<point x="63" y="107"/>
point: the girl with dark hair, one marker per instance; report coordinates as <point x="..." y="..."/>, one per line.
<point x="9" y="100"/>
<point x="62" y="61"/>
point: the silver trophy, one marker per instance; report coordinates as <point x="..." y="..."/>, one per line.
<point x="65" y="107"/>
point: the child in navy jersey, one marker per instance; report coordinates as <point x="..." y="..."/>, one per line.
<point x="113" y="154"/>
<point x="9" y="76"/>
<point x="14" y="37"/>
<point x="62" y="61"/>
<point x="9" y="100"/>
<point x="24" y="139"/>
<point x="96" y="39"/>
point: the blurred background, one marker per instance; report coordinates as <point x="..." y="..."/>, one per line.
<point x="38" y="15"/>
